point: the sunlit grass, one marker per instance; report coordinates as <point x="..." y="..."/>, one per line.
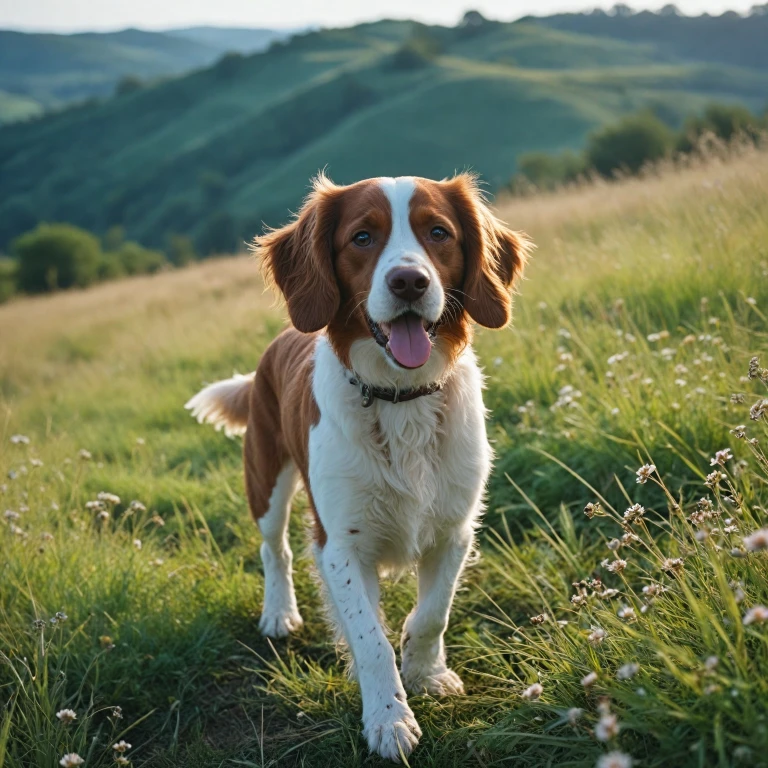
<point x="634" y="330"/>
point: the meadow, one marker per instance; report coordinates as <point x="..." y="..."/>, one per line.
<point x="609" y="616"/>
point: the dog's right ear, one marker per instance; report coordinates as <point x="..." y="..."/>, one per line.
<point x="298" y="258"/>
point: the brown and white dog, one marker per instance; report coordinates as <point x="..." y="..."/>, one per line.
<point x="373" y="400"/>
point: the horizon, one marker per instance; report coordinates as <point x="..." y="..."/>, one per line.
<point x="239" y="14"/>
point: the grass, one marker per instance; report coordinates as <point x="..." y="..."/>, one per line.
<point x="641" y="310"/>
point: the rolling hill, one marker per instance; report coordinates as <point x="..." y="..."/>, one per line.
<point x="215" y="153"/>
<point x="41" y="71"/>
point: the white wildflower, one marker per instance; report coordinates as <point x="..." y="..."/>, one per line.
<point x="627" y="671"/>
<point x="607" y="727"/>
<point x="644" y="473"/>
<point x="755" y="542"/>
<point x="67" y="716"/>
<point x="589" y="680"/>
<point x="596" y="636"/>
<point x="721" y="457"/>
<point x="533" y="692"/>
<point x="758" y="614"/>
<point x="71" y="760"/>
<point x="614" y="760"/>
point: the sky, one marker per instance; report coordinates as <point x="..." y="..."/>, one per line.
<point x="81" y="15"/>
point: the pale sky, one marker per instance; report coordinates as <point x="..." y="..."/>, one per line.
<point x="80" y="15"/>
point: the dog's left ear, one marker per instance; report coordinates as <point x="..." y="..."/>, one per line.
<point x="494" y="254"/>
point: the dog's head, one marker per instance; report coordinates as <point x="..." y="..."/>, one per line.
<point x="392" y="267"/>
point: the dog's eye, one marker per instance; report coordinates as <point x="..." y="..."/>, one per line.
<point x="362" y="239"/>
<point x="438" y="234"/>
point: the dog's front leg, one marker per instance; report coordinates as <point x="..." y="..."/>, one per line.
<point x="389" y="724"/>
<point x="423" y="648"/>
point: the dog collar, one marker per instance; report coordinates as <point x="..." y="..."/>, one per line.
<point x="370" y="393"/>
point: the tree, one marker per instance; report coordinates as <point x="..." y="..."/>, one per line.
<point x="181" y="250"/>
<point x="128" y="84"/>
<point x="55" y="256"/>
<point x="629" y="145"/>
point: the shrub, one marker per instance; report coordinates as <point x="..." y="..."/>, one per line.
<point x="7" y="278"/>
<point x="181" y="250"/>
<point x="134" y="259"/>
<point x="548" y="171"/>
<point x="419" y="50"/>
<point x="724" y="120"/>
<point x="55" y="256"/>
<point x="128" y="84"/>
<point x="629" y="145"/>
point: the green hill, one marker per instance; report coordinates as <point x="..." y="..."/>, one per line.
<point x="48" y="70"/>
<point x="217" y="152"/>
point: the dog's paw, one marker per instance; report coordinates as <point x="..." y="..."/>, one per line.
<point x="280" y="623"/>
<point x="392" y="731"/>
<point x="443" y="682"/>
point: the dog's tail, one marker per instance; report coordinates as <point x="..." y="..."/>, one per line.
<point x="224" y="404"/>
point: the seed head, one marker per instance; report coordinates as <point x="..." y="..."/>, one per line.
<point x="596" y="637"/>
<point x="540" y="619"/>
<point x="634" y="513"/>
<point x="758" y="410"/>
<point x="758" y="541"/>
<point x="673" y="565"/>
<point x="754" y="367"/>
<point x="644" y="473"/>
<point x="714" y="479"/>
<point x="108" y="498"/>
<point x="627" y="613"/>
<point x="592" y="509"/>
<point x="617" y="566"/>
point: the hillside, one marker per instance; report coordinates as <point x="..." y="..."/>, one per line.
<point x="49" y="70"/>
<point x="216" y="153"/>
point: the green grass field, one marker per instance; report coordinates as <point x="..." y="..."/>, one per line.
<point x="641" y="310"/>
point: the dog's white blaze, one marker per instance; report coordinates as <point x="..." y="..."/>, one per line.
<point x="402" y="249"/>
<point x="396" y="485"/>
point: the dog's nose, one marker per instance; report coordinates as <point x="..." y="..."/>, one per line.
<point x="408" y="283"/>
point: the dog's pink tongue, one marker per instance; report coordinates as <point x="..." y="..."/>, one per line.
<point x="409" y="342"/>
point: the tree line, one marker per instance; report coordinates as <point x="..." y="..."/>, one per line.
<point x="632" y="143"/>
<point x="52" y="257"/>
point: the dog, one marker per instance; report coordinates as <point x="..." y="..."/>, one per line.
<point x="373" y="400"/>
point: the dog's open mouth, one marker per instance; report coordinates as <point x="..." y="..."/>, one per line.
<point x="407" y="338"/>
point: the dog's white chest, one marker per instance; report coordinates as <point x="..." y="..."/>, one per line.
<point x="397" y="477"/>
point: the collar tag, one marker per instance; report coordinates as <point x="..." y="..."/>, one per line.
<point x="367" y="395"/>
